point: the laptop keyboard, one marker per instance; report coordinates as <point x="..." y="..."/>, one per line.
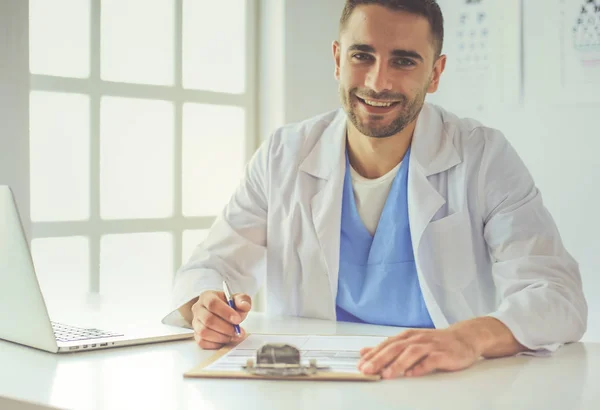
<point x="67" y="333"/>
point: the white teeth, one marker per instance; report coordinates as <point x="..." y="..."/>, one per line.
<point x="378" y="104"/>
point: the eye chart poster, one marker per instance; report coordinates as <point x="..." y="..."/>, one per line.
<point x="562" y="49"/>
<point x="483" y="46"/>
<point x="581" y="48"/>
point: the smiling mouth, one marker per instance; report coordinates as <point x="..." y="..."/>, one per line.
<point x="382" y="104"/>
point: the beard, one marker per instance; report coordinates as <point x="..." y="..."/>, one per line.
<point x="373" y="126"/>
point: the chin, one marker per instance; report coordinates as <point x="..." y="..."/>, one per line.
<point x="379" y="132"/>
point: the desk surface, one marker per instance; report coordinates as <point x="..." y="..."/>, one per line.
<point x="151" y="377"/>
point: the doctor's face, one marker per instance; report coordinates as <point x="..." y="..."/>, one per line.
<point x="385" y="64"/>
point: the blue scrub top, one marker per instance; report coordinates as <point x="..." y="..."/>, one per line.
<point x="378" y="280"/>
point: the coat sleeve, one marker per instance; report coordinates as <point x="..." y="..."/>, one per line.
<point x="235" y="248"/>
<point x="538" y="282"/>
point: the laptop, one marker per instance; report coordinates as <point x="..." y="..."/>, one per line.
<point x="24" y="317"/>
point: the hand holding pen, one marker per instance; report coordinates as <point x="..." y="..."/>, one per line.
<point x="217" y="316"/>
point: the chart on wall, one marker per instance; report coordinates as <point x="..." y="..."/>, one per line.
<point x="562" y="49"/>
<point x="483" y="49"/>
<point x="581" y="49"/>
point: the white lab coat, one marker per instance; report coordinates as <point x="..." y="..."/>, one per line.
<point x="484" y="243"/>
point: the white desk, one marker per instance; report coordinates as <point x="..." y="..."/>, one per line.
<point x="150" y="377"/>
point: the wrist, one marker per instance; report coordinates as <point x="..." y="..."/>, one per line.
<point x="488" y="337"/>
<point x="474" y="334"/>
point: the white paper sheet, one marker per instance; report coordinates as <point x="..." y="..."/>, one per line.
<point x="340" y="353"/>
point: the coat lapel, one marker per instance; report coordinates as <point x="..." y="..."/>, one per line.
<point x="326" y="162"/>
<point x="432" y="152"/>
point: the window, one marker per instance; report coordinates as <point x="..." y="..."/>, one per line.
<point x="142" y="117"/>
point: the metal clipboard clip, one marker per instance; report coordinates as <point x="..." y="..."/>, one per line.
<point x="280" y="359"/>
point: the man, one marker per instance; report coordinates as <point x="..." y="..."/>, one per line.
<point x="394" y="212"/>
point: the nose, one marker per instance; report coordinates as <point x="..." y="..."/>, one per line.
<point x="378" y="78"/>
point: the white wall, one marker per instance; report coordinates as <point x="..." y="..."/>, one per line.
<point x="296" y="63"/>
<point x="14" y="102"/>
<point x="560" y="144"/>
<point x="311" y="27"/>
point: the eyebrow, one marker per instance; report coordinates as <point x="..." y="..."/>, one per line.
<point x="396" y="53"/>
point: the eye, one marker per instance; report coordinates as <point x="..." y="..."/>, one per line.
<point x="362" y="57"/>
<point x="404" y="62"/>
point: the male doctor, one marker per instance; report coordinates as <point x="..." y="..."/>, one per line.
<point x="394" y="212"/>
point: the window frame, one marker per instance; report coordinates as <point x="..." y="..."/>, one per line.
<point x="95" y="227"/>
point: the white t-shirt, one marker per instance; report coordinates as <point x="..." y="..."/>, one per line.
<point x="370" y="196"/>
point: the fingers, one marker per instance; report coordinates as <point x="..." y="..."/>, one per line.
<point x="410" y="357"/>
<point x="243" y="304"/>
<point x="215" y="303"/>
<point x="410" y="333"/>
<point x="214" y="322"/>
<point x="214" y="319"/>
<point x="397" y="343"/>
<point x="365" y="350"/>
<point x="206" y="334"/>
<point x="382" y="358"/>
<point x="211" y="345"/>
<point x="416" y="353"/>
<point x="426" y="366"/>
<point x="205" y="344"/>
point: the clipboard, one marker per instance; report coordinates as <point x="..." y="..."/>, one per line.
<point x="200" y="371"/>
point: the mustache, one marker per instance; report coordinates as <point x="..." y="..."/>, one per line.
<point x="370" y="94"/>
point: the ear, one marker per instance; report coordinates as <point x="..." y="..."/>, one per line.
<point x="438" y="69"/>
<point x="336" y="48"/>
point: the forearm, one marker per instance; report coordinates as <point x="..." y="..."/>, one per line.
<point x="490" y="337"/>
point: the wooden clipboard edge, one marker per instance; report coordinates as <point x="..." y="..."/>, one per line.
<point x="327" y="376"/>
<point x="198" y="372"/>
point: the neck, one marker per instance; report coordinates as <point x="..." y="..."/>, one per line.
<point x="374" y="157"/>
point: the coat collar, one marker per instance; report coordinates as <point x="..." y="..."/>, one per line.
<point x="326" y="154"/>
<point x="432" y="147"/>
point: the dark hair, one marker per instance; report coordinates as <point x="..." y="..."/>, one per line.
<point x="426" y="8"/>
